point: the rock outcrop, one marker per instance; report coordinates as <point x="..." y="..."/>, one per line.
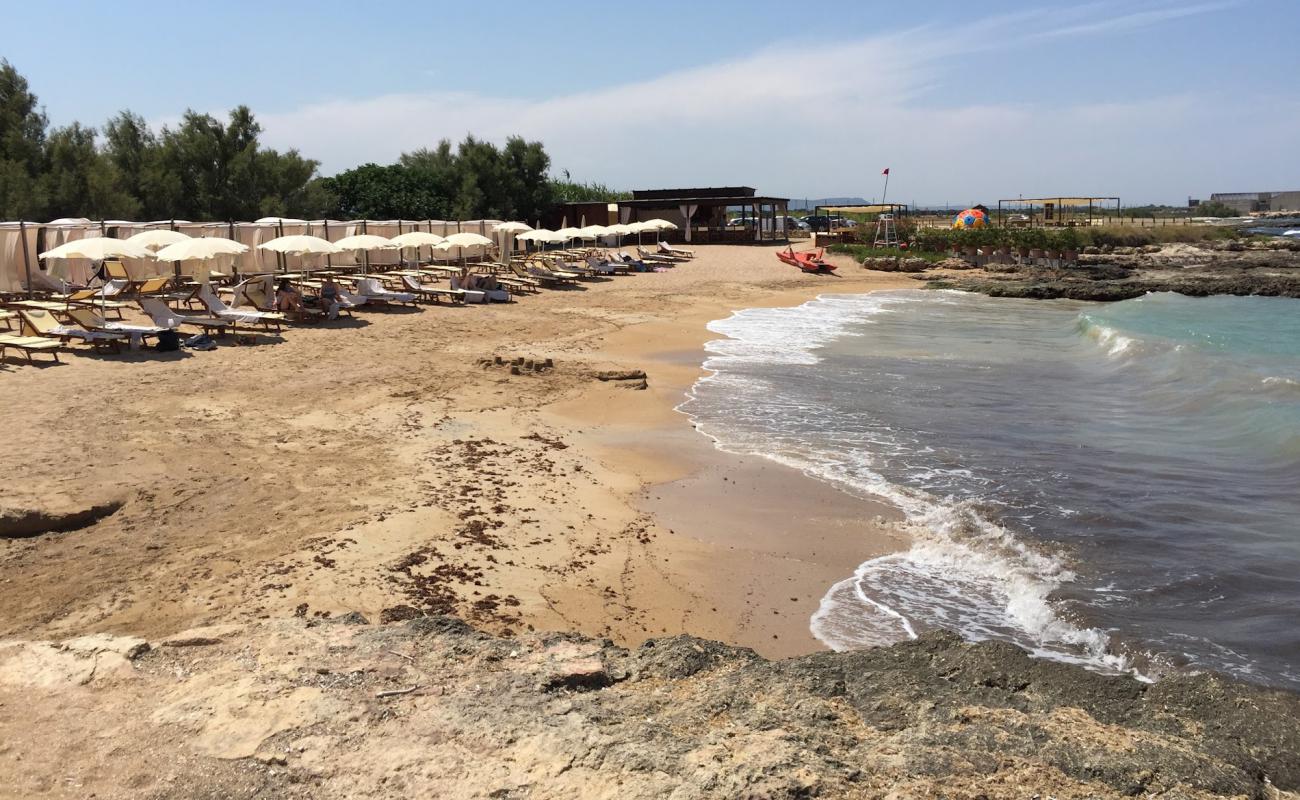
<point x="431" y="707"/>
<point x="1123" y="273"/>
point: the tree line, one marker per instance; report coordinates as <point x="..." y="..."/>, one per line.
<point x="206" y="169"/>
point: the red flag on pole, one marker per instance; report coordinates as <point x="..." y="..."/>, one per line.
<point x="886" y="172"/>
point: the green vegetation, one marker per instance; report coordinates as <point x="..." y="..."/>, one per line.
<point x="201" y="169"/>
<point x="569" y="191"/>
<point x="1069" y="238"/>
<point x="861" y="252"/>
<point x="1215" y="209"/>
<point x="206" y="169"/>
<point x="476" y="180"/>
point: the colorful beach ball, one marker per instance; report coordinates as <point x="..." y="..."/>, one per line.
<point x="970" y="218"/>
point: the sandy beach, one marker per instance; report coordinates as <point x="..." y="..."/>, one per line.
<point x="374" y="466"/>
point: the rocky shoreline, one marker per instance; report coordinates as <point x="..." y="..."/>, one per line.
<point x="1108" y="274"/>
<point x="341" y="708"/>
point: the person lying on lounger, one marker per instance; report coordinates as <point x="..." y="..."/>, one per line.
<point x="476" y="282"/>
<point x="287" y="298"/>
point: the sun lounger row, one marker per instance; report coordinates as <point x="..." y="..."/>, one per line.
<point x="32" y="327"/>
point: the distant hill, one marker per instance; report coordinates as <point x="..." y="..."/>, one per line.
<point x="810" y="203"/>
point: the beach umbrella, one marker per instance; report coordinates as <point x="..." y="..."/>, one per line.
<point x="301" y="245"/>
<point x="657" y="225"/>
<point x="159" y="237"/>
<point x="567" y="233"/>
<point x="97" y="248"/>
<point x="459" y="241"/>
<point x="467" y="240"/>
<point x="620" y="230"/>
<point x="970" y="219"/>
<point x="592" y="232"/>
<point x="543" y="236"/>
<point x="416" y="240"/>
<point x="366" y="241"/>
<point x="200" y="250"/>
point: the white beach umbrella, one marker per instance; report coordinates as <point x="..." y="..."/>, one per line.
<point x="417" y="239"/>
<point x="98" y="248"/>
<point x="543" y="236"/>
<point x="592" y="232"/>
<point x="366" y="241"/>
<point x="159" y="237"/>
<point x="660" y="225"/>
<point x="620" y="230"/>
<point x="203" y="249"/>
<point x="511" y="227"/>
<point x="467" y="240"/>
<point x="192" y="250"/>
<point x="301" y="245"/>
<point x="567" y="234"/>
<point x="459" y="241"/>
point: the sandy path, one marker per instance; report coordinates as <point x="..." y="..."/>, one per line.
<point x="374" y="466"/>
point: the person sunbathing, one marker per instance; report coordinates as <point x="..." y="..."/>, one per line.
<point x="287" y="298"/>
<point x="329" y="297"/>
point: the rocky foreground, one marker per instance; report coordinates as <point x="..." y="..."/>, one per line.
<point x="433" y="708"/>
<point x="1270" y="268"/>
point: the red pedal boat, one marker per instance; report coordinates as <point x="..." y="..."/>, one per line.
<point x="806" y="260"/>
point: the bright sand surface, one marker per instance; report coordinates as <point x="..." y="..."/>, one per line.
<point x="372" y="463"/>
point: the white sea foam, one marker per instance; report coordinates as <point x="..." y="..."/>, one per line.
<point x="1111" y="340"/>
<point x="962" y="571"/>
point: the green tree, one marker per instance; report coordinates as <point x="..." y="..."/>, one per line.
<point x="78" y="181"/>
<point x="22" y="143"/>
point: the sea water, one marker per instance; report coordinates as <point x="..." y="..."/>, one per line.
<point x="1115" y="485"/>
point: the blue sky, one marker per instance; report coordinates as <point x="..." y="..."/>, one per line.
<point x="965" y="102"/>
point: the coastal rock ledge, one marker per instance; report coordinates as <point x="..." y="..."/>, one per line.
<point x="434" y="708"/>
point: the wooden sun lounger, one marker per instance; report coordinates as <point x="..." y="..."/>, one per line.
<point x="91" y="321"/>
<point x="30" y="345"/>
<point x="9" y="319"/>
<point x="38" y="322"/>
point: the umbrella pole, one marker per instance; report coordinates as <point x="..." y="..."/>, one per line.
<point x="27" y="258"/>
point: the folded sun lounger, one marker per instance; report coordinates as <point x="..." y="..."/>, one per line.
<point x="370" y="289"/>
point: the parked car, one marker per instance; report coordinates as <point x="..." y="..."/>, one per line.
<point x="825" y="222"/>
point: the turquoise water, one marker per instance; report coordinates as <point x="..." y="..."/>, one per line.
<point x="1116" y="485"/>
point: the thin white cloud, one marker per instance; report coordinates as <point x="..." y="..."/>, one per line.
<point x="826" y="130"/>
<point x="1098" y="21"/>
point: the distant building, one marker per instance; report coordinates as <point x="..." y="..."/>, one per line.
<point x="1251" y="202"/>
<point x="700" y="214"/>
